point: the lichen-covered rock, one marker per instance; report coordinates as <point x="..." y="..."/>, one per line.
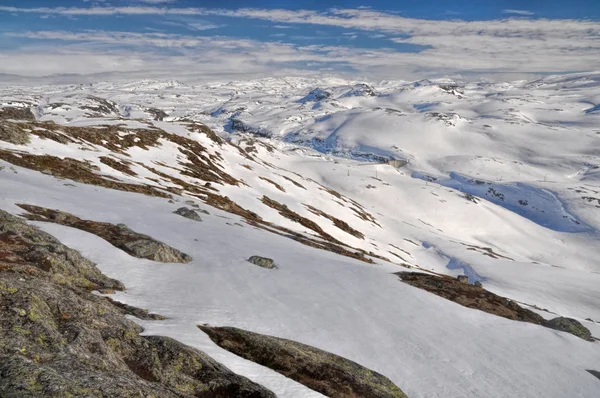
<point x="13" y="134"/>
<point x="59" y="340"/>
<point x="470" y="296"/>
<point x="188" y="213"/>
<point x="263" y="262"/>
<point x="570" y="326"/>
<point x="319" y="370"/>
<point x="133" y="243"/>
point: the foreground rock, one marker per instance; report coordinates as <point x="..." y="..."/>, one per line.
<point x="570" y="326"/>
<point x="188" y="213"/>
<point x="263" y="262"/>
<point x="59" y="340"/>
<point x="133" y="243"/>
<point x="470" y="296"/>
<point x="319" y="370"/>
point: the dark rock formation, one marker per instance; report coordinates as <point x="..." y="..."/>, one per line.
<point x="157" y="114"/>
<point x="17" y="113"/>
<point x="570" y="326"/>
<point x="133" y="243"/>
<point x="263" y="262"/>
<point x="188" y="213"/>
<point x="60" y="340"/>
<point x="594" y="373"/>
<point x="319" y="370"/>
<point x="462" y="278"/>
<point x="470" y="296"/>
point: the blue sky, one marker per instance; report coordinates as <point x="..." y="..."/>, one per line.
<point x="379" y="39"/>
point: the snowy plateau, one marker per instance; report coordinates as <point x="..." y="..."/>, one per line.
<point x="343" y="184"/>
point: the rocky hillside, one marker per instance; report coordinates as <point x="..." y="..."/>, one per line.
<point x="300" y="238"/>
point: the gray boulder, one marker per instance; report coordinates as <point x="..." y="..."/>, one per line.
<point x="478" y="284"/>
<point x="462" y="278"/>
<point x="263" y="262"/>
<point x="570" y="326"/>
<point x="188" y="213"/>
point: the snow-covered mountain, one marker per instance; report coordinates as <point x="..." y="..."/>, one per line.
<point x="343" y="184"/>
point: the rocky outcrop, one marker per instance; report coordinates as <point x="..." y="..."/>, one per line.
<point x="17" y="113"/>
<point x="570" y="326"/>
<point x="319" y="370"/>
<point x="14" y="135"/>
<point x="133" y="243"/>
<point x="60" y="340"/>
<point x="475" y="296"/>
<point x="470" y="296"/>
<point x="188" y="213"/>
<point x="263" y="262"/>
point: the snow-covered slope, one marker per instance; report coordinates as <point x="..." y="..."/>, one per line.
<point x="502" y="183"/>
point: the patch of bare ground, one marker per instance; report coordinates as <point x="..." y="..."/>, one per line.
<point x="337" y="222"/>
<point x="397" y="255"/>
<point x="486" y="251"/>
<point x="133" y="243"/>
<point x="293" y="182"/>
<point x="356" y="207"/>
<point x="470" y="296"/>
<point x="273" y="183"/>
<point x="293" y="216"/>
<point x="199" y="165"/>
<point x="16" y="113"/>
<point x="200" y="128"/>
<point x="75" y="170"/>
<point x="402" y="250"/>
<point x="123" y="167"/>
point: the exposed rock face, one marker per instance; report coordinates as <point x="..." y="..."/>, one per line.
<point x="321" y="371"/>
<point x="570" y="326"/>
<point x="14" y="135"/>
<point x="133" y="243"/>
<point x="462" y="278"/>
<point x="475" y="296"/>
<point x="60" y="340"/>
<point x="263" y="262"/>
<point x="470" y="296"/>
<point x="188" y="213"/>
<point x="16" y="113"/>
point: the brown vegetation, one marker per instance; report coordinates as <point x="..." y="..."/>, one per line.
<point x="337" y="222"/>
<point x="273" y="183"/>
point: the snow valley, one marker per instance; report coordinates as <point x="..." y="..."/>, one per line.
<point x="438" y="238"/>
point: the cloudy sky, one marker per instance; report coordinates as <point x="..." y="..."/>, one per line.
<point x="381" y="39"/>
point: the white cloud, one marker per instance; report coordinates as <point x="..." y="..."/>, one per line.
<point x="517" y="12"/>
<point x="156" y="1"/>
<point x="512" y="46"/>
